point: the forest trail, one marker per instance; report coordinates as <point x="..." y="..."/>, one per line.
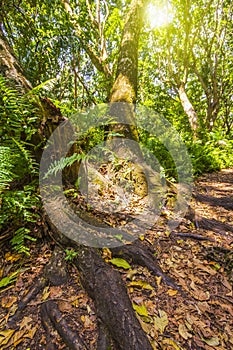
<point x="197" y="255"/>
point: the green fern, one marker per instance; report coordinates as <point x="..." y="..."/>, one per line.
<point x="18" y="194"/>
<point x="59" y="165"/>
<point x="6" y="167"/>
<point x="18" y="241"/>
<point x="5" y="281"/>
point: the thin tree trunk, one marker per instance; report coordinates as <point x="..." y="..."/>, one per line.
<point x="188" y="108"/>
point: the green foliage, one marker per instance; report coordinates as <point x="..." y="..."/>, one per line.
<point x="5" y="281"/>
<point x="18" y="241"/>
<point x="70" y="254"/>
<point x="120" y="263"/>
<point x="18" y="169"/>
<point x="211" y="155"/>
<point x="59" y="165"/>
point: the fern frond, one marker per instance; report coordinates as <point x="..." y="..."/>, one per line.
<point x="59" y="165"/>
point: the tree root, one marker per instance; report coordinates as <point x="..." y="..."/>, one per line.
<point x="113" y="306"/>
<point x="37" y="286"/>
<point x="215" y="225"/>
<point x="104" y="339"/>
<point x="225" y="202"/>
<point x="191" y="236"/>
<point x="50" y="311"/>
<point x="142" y="255"/>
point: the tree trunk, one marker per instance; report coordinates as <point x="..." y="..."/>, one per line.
<point x="124" y="89"/>
<point x="104" y="284"/>
<point x="10" y="67"/>
<point x="188" y="108"/>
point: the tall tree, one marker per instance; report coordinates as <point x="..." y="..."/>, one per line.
<point x="118" y="323"/>
<point x="194" y="50"/>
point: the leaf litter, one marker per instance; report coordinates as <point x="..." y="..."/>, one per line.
<point x="200" y="320"/>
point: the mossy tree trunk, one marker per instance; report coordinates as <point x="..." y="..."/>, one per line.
<point x="117" y="319"/>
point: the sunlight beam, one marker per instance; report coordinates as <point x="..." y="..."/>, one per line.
<point x="159" y="16"/>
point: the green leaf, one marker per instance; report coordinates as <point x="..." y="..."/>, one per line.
<point x="120" y="263"/>
<point x="140" y="284"/>
<point x="9" y="279"/>
<point x="140" y="309"/>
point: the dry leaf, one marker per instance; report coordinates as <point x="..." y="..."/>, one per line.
<point x="214" y="341"/>
<point x="173" y="343"/>
<point x="8" y="301"/>
<point x="184" y="332"/>
<point x="5" y="336"/>
<point x="158" y="280"/>
<point x="172" y="292"/>
<point x="75" y="303"/>
<point x="140" y="284"/>
<point x="199" y="294"/>
<point x="26" y="323"/>
<point x="56" y="292"/>
<point x="140" y="309"/>
<point x="161" y="322"/>
<point x="86" y="321"/>
<point x="64" y="306"/>
<point x="12" y="257"/>
<point x="46" y="293"/>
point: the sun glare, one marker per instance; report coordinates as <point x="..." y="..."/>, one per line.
<point x="159" y="16"/>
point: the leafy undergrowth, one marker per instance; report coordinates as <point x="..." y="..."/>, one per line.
<point x="200" y="320"/>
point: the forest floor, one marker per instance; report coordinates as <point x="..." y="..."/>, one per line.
<point x="197" y="255"/>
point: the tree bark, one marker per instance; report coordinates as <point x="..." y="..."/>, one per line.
<point x="124" y="89"/>
<point x="188" y="108"/>
<point x="10" y="67"/>
<point x="103" y="283"/>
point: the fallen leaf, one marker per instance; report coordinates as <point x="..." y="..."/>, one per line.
<point x="184" y="332"/>
<point x="140" y="284"/>
<point x="8" y="301"/>
<point x="5" y="336"/>
<point x="75" y="303"/>
<point x="46" y="293"/>
<point x="173" y="343"/>
<point x="86" y="321"/>
<point x="12" y="257"/>
<point x="106" y="253"/>
<point x="198" y="293"/>
<point x="25" y="323"/>
<point x="140" y="309"/>
<point x="120" y="263"/>
<point x="214" y="341"/>
<point x="161" y="322"/>
<point x="64" y="306"/>
<point x="158" y="280"/>
<point x="172" y="292"/>
<point x="55" y="292"/>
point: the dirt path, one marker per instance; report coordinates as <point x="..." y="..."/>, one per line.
<point x="202" y="319"/>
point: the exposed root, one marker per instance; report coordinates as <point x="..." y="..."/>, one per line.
<point x="224" y="202"/>
<point x="113" y="306"/>
<point x="191" y="236"/>
<point x="37" y="286"/>
<point x="49" y="310"/>
<point x="215" y="225"/>
<point x="141" y="255"/>
<point x="104" y="339"/>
